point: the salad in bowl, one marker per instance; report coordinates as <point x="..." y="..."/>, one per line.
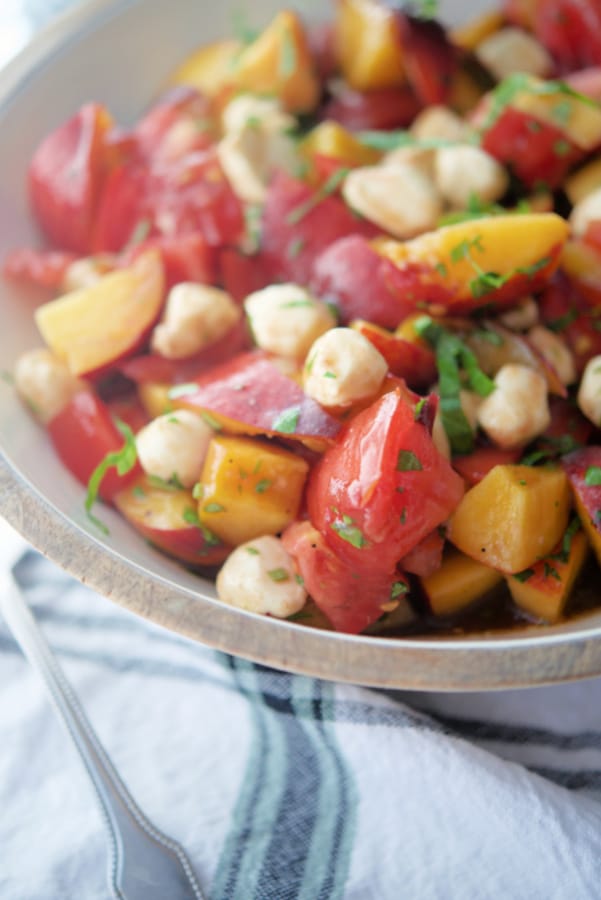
<point x="324" y="322"/>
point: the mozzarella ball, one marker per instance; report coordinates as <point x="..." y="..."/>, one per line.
<point x="286" y="319"/>
<point x="585" y="212"/>
<point x="45" y="383"/>
<point x="399" y="198"/>
<point x="421" y="158"/>
<point x="342" y="367"/>
<point x="250" y="156"/>
<point x="517" y="411"/>
<point x="195" y="316"/>
<point x="439" y="123"/>
<point x="555" y="351"/>
<point x="521" y="317"/>
<point x="463" y="172"/>
<point x="512" y="50"/>
<point x="174" y="446"/>
<point x="259" y="576"/>
<point x="589" y="392"/>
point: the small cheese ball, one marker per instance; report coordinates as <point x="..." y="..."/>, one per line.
<point x="45" y="383"/>
<point x="173" y="447"/>
<point x="463" y="172"/>
<point x="589" y="392"/>
<point x="250" y="157"/>
<point x="195" y="316"/>
<point x="286" y="319"/>
<point x="585" y="212"/>
<point x="511" y="50"/>
<point x="555" y="351"/>
<point x="401" y="199"/>
<point x="259" y="576"/>
<point x="517" y="411"/>
<point x="85" y="272"/>
<point x="343" y="367"/>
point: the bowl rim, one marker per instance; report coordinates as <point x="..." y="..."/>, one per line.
<point x="506" y="660"/>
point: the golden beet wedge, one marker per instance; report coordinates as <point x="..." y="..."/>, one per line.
<point x="513" y="517"/>
<point x="332" y="140"/>
<point x="458" y="583"/>
<point x="209" y="68"/>
<point x="461" y="267"/>
<point x="544" y="589"/>
<point x="249" y="488"/>
<point x="100" y="324"/>
<point x="368" y="46"/>
<point x="279" y="63"/>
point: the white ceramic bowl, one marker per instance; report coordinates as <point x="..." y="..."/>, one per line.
<point x="120" y="53"/>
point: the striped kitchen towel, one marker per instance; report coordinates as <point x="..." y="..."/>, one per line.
<point x="290" y="788"/>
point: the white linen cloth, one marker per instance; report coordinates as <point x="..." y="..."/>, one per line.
<point x="283" y="787"/>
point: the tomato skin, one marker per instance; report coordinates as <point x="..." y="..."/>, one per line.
<point x="187" y="196"/>
<point x="241" y="275"/>
<point x="429" y="57"/>
<point x="530" y="148"/>
<point x="65" y="177"/>
<point x="178" y="104"/>
<point x="565" y="306"/>
<point x="426" y="557"/>
<point x="571" y="31"/>
<point x="360" y="282"/>
<point x="42" y="268"/>
<point x="82" y="434"/>
<point x="379" y="110"/>
<point x="382" y="487"/>
<point x="351" y="602"/>
<point x="185" y="258"/>
<point x="291" y="240"/>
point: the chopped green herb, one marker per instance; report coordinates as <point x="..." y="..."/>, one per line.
<point x="241" y="29"/>
<point x="122" y="460"/>
<point x="190" y="516"/>
<point x="263" y="485"/>
<point x="213" y="508"/>
<point x="299" y="579"/>
<point x="403" y="516"/>
<point x="295" y="247"/>
<point x="524" y="575"/>
<point x="519" y="82"/>
<point x="561" y="148"/>
<point x="562" y="322"/>
<point x="252" y="550"/>
<point x="562" y="111"/>
<point x="140" y="232"/>
<point x="592" y="477"/>
<point x="330" y="375"/>
<point x="252" y="219"/>
<point x="278" y="575"/>
<point x="287" y="421"/>
<point x="441" y="269"/>
<point x="182" y="390"/>
<point x="407" y="461"/>
<point x="139" y="492"/>
<point x="329" y="187"/>
<point x="211" y="420"/>
<point x="398" y="588"/>
<point x="349" y="532"/>
<point x="166" y="484"/>
<point x="198" y="490"/>
<point x="551" y="572"/>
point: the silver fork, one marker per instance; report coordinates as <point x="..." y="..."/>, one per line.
<point x="144" y="864"/>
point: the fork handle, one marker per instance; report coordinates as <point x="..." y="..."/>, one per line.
<point x="144" y="864"/>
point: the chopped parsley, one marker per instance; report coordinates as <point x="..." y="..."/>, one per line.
<point x="278" y="575"/>
<point x="122" y="460"/>
<point x="288" y="55"/>
<point x="198" y="490"/>
<point x="287" y="421"/>
<point x="252" y="551"/>
<point x="398" y="588"/>
<point x="295" y="247"/>
<point x="211" y="420"/>
<point x="407" y="461"/>
<point x="190" y="516"/>
<point x="263" y="485"/>
<point x="329" y="187"/>
<point x="213" y="508"/>
<point x="592" y="476"/>
<point x="524" y="575"/>
<point x="182" y="390"/>
<point x="349" y="532"/>
<point x="166" y="484"/>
